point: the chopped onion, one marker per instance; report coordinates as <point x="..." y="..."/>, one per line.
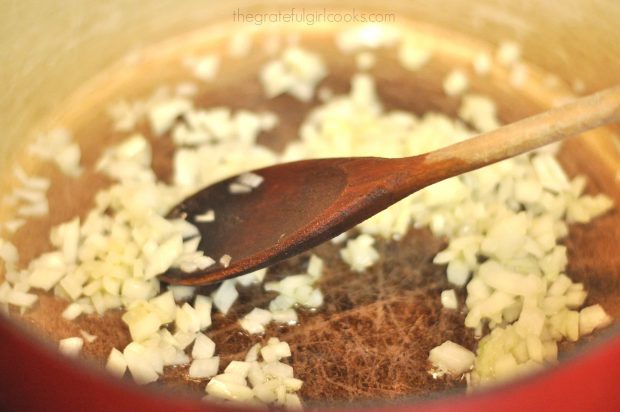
<point x="203" y="348"/>
<point x="71" y="346"/>
<point x="116" y="363"/>
<point x="448" y="299"/>
<point x="286" y="316"/>
<point x="225" y="296"/>
<point x="164" y="307"/>
<point x="315" y="266"/>
<point x="208" y="216"/>
<point x="252" y="355"/>
<point x="204" y="67"/>
<point x="255" y="321"/>
<point x="360" y="253"/>
<point x="451" y="358"/>
<point x="225" y="260"/>
<point x="592" y="317"/>
<point x="142" y="322"/>
<point x="181" y="292"/>
<point x="455" y="83"/>
<point x="250" y="179"/>
<point x="22" y="299"/>
<point x="142" y="365"/>
<point x="412" y="57"/>
<point x="238" y="368"/>
<point x="275" y="350"/>
<point x="482" y="64"/>
<point x="204" y="368"/>
<point x="237" y="188"/>
<point x="187" y="319"/>
<point x="163" y="115"/>
<point x="203" y="305"/>
<point x="221" y="386"/>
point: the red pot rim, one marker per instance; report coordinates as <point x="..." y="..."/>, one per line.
<point x="36" y="377"/>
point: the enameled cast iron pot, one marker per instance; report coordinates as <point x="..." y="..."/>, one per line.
<point x="47" y="49"/>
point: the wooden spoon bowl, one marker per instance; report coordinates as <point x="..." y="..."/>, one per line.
<point x="301" y="204"/>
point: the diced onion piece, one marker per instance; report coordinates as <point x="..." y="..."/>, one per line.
<point x="204" y="368"/>
<point x="225" y="296"/>
<point x="67" y="237"/>
<point x="591" y="318"/>
<point x="140" y="364"/>
<point x="455" y="83"/>
<point x="571" y="325"/>
<point x="204" y="67"/>
<point x="285" y="316"/>
<point x="250" y="179"/>
<point x="8" y="252"/>
<point x="252" y="278"/>
<point x="451" y="358"/>
<point x="164" y="257"/>
<point x="163" y="115"/>
<point x="531" y="321"/>
<point x="266" y="391"/>
<point x="297" y="73"/>
<point x="315" y="266"/>
<point x="208" y="216"/>
<point x="203" y="348"/>
<point x="278" y="369"/>
<point x="252" y="355"/>
<point x="225" y="260"/>
<point x="183" y="339"/>
<point x="275" y="352"/>
<point x="133" y="290"/>
<point x="142" y="322"/>
<point x="535" y="349"/>
<point x="72" y="311"/>
<point x="255" y="321"/>
<point x="238" y="368"/>
<point x="360" y="253"/>
<point x="458" y="272"/>
<point x="550" y="173"/>
<point x="50" y="270"/>
<point x="116" y="363"/>
<point x="293" y="401"/>
<point x="448" y="299"/>
<point x="181" y="292"/>
<point x="22" y="299"/>
<point x="164" y="307"/>
<point x="224" y="388"/>
<point x="71" y="346"/>
<point x="482" y="64"/>
<point x="203" y="306"/>
<point x="412" y="57"/>
<point x="187" y="319"/>
<point x="505" y="366"/>
<point x="237" y="188"/>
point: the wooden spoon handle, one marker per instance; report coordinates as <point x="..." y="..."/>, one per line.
<point x="530" y="133"/>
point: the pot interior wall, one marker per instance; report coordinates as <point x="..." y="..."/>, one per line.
<point x="47" y="49"/>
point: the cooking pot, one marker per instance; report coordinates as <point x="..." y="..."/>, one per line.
<point x="50" y="48"/>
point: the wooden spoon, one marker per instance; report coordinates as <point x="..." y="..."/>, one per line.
<point x="302" y="204"/>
